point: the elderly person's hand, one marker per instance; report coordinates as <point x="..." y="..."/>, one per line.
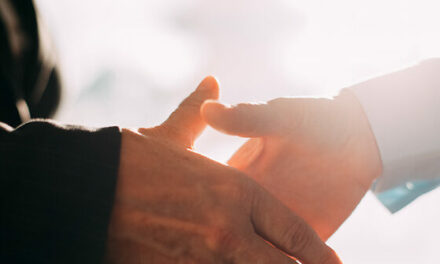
<point x="176" y="206"/>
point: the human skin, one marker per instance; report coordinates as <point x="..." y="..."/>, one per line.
<point x="173" y="205"/>
<point x="316" y="155"/>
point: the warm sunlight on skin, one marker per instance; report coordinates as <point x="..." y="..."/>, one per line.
<point x="167" y="194"/>
<point x="154" y="51"/>
<point x="318" y="156"/>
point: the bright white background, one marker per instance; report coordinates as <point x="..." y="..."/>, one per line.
<point x="130" y="62"/>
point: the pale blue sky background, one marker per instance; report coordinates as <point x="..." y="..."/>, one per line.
<point x="130" y="62"/>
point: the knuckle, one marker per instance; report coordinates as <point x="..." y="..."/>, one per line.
<point x="224" y="239"/>
<point x="297" y="238"/>
<point x="243" y="110"/>
<point x="193" y="101"/>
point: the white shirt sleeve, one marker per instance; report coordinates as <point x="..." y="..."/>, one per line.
<point x="404" y="112"/>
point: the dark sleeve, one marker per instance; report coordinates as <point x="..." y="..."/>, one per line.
<point x="57" y="187"/>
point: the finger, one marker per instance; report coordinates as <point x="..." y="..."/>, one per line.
<point x="247" y="154"/>
<point x="287" y="231"/>
<point x="259" y="251"/>
<point x="185" y="124"/>
<point x="5" y="127"/>
<point x="246" y="120"/>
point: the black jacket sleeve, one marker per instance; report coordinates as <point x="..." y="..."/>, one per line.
<point x="57" y="185"/>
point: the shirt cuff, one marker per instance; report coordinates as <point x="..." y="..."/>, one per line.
<point x="57" y="189"/>
<point x="402" y="110"/>
<point x="400" y="196"/>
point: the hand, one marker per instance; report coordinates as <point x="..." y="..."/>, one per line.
<point x="175" y="206"/>
<point x="318" y="156"/>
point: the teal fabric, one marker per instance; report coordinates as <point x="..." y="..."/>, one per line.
<point x="402" y="195"/>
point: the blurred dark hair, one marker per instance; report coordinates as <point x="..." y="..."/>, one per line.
<point x="29" y="82"/>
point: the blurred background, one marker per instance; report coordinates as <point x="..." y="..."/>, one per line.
<point x="130" y="62"/>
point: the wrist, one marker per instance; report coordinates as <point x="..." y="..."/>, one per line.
<point x="364" y="151"/>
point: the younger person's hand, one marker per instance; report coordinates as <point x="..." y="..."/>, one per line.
<point x="318" y="156"/>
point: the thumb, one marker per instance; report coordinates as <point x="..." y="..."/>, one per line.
<point x="246" y="120"/>
<point x="185" y="124"/>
